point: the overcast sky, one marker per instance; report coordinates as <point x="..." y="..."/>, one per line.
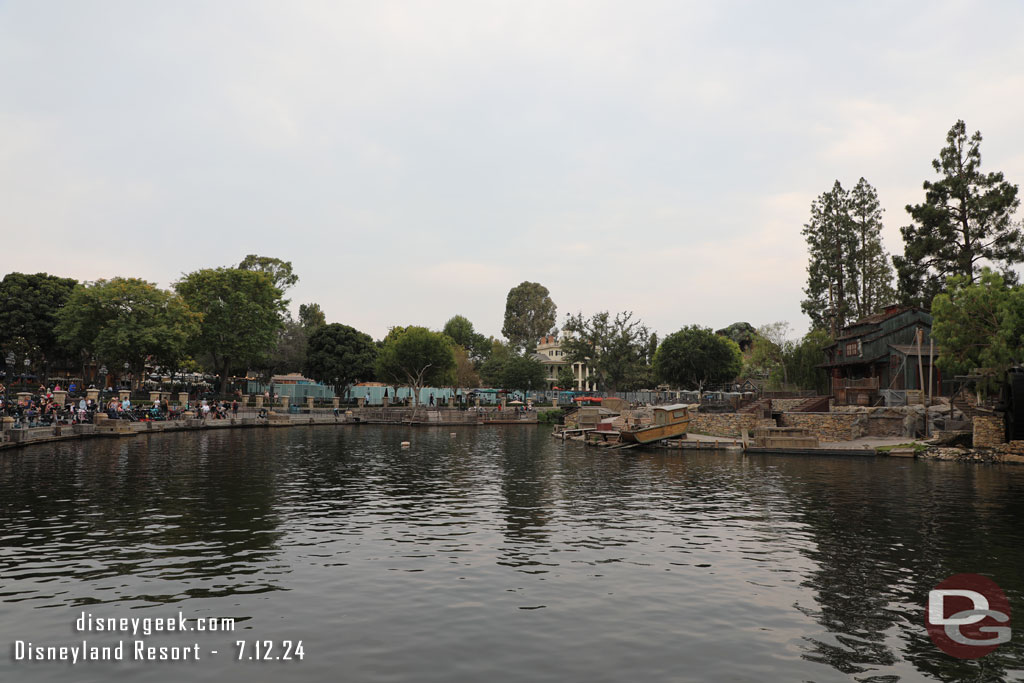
<point x="417" y="160"/>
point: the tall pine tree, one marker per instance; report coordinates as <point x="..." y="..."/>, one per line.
<point x="848" y="274"/>
<point x="965" y="222"/>
<point x="873" y="274"/>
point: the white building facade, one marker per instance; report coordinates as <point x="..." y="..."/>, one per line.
<point x="550" y="354"/>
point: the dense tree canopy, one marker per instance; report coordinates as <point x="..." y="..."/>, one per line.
<point x="529" y="315"/>
<point x="695" y="357"/>
<point x="803" y="362"/>
<point x="615" y="349"/>
<point x="492" y="371"/>
<point x="566" y="381"/>
<point x="417" y="357"/>
<point x="788" y="363"/>
<point x="242" y="311"/>
<point x="311" y="317"/>
<point x="477" y="346"/>
<point x="523" y="373"/>
<point x="979" y="324"/>
<point x="465" y="371"/>
<point x="965" y="221"/>
<point x="289" y="351"/>
<point x="340" y="355"/>
<point x="29" y="305"/>
<point x="769" y="351"/>
<point x="280" y="272"/>
<point x="125" y="320"/>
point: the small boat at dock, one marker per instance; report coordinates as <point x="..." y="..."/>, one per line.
<point x="669" y="422"/>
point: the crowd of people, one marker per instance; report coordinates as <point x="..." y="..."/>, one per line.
<point x="217" y="410"/>
<point x="41" y="409"/>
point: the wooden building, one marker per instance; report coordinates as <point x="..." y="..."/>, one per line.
<point x="881" y="352"/>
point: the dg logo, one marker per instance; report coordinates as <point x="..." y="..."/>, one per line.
<point x="968" y="616"/>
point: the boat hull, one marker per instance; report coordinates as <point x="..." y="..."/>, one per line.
<point x="655" y="432"/>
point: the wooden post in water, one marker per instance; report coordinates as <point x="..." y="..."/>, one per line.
<point x="931" y="361"/>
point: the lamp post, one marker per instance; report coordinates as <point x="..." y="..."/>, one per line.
<point x="10" y="374"/>
<point x="127" y="367"/>
<point x="103" y="380"/>
<point x="28" y="365"/>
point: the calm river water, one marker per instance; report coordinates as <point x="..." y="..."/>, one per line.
<point x="496" y="555"/>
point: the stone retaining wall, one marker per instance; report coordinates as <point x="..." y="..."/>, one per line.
<point x="1011" y="451"/>
<point x="827" y="426"/>
<point x="886" y="425"/>
<point x="989" y="431"/>
<point x="726" y="424"/>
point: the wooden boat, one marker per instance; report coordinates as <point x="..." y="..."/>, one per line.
<point x="669" y="422"/>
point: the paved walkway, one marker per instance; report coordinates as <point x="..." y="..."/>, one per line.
<point x="863" y="443"/>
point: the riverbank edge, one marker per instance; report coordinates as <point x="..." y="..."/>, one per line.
<point x="1003" y="454"/>
<point x="116" y="429"/>
<point x="1008" y="453"/>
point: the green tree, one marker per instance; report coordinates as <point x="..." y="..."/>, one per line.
<point x="289" y="351"/>
<point x="872" y="274"/>
<point x="29" y="305"/>
<point x="695" y="357"/>
<point x="652" y="348"/>
<point x="465" y="371"/>
<point x="529" y="315"/>
<point x="460" y="329"/>
<point x="615" y="349"/>
<point x="280" y="272"/>
<point x="803" y="362"/>
<point x="565" y="381"/>
<point x="848" y="272"/>
<point x="242" y="312"/>
<point x="979" y="324"/>
<point x="770" y="349"/>
<point x="492" y="370"/>
<point x="311" y="317"/>
<point x="965" y="221"/>
<point x="126" y="320"/>
<point x="830" y="245"/>
<point x="393" y="333"/>
<point x="417" y="357"/>
<point x="523" y="373"/>
<point x="340" y="355"/>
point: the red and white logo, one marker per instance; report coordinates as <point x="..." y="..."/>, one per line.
<point x="968" y="616"/>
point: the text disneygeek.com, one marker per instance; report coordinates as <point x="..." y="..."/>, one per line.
<point x="141" y="650"/>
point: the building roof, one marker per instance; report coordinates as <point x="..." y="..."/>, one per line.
<point x="873" y="320"/>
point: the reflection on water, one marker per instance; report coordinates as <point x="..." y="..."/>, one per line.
<point x="500" y="554"/>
